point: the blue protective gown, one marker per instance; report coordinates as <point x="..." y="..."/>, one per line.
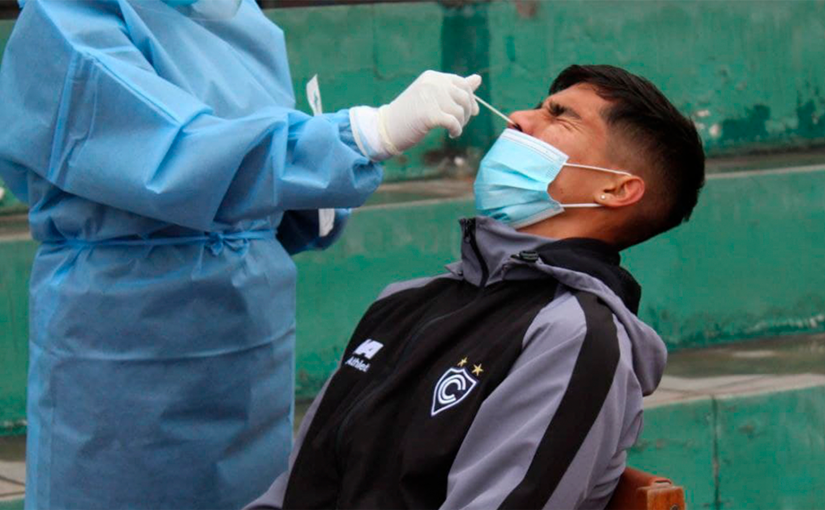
<point x="159" y="154"/>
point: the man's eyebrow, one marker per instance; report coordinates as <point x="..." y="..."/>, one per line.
<point x="558" y="110"/>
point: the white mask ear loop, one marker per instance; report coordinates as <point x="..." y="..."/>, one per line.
<point x="565" y="206"/>
<point x="600" y="169"/>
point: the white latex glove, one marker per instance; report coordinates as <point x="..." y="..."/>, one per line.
<point x="433" y="100"/>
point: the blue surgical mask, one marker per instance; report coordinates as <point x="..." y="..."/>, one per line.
<point x="512" y="181"/>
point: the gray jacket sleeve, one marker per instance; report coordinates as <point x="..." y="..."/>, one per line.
<point x="503" y="441"/>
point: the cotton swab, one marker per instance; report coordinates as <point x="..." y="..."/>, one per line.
<point x="490" y="107"/>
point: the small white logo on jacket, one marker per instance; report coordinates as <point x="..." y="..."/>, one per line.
<point x="367" y="350"/>
<point x="451" y="389"/>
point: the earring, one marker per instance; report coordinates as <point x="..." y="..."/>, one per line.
<point x="603" y="197"/>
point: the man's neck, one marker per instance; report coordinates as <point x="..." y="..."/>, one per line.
<point x="568" y="225"/>
<point x="557" y="227"/>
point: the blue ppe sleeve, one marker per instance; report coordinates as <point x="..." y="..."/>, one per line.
<point x="100" y="123"/>
<point x="299" y="230"/>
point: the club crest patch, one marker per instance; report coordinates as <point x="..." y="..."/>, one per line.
<point x="451" y="389"/>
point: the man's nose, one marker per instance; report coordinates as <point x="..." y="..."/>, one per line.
<point x="525" y="121"/>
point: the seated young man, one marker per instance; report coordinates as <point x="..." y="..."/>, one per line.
<point x="516" y="379"/>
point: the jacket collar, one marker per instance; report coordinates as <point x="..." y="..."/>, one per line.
<point x="492" y="251"/>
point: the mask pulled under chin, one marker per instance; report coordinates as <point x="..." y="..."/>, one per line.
<point x="512" y="180"/>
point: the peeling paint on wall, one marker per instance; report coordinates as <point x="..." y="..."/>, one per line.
<point x="748" y="128"/>
<point x="527" y="8"/>
<point x="811" y="124"/>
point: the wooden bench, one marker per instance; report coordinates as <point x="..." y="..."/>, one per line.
<point x="638" y="490"/>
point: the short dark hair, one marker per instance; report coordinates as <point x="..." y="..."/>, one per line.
<point x="666" y="139"/>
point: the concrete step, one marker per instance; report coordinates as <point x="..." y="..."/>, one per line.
<point x="738" y="270"/>
<point x="12" y="471"/>
<point x="740" y="427"/>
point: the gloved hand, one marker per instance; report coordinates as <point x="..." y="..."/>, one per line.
<point x="433" y="100"/>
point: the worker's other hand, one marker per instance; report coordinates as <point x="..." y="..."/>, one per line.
<point x="433" y="100"/>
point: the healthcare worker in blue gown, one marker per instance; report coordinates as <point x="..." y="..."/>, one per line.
<point x="169" y="179"/>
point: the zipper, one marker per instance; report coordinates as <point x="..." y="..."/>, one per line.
<point x="470" y="238"/>
<point x="378" y="384"/>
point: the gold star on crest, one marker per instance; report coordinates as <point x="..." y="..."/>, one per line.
<point x="463" y="362"/>
<point x="477" y="370"/>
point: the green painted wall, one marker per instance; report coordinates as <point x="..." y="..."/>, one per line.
<point x="366" y="55"/>
<point x="736" y="271"/>
<point x="7" y="202"/>
<point x="742" y="268"/>
<point x="677" y="442"/>
<point x="741" y="69"/>
<point x="16" y="257"/>
<point x="784" y="431"/>
<point x="5" y="31"/>
<point x="745" y="265"/>
<point x="763" y="451"/>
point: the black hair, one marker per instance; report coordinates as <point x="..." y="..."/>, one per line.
<point x="666" y="139"/>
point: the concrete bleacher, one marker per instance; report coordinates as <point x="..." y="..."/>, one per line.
<point x="724" y="410"/>
<point x="738" y="293"/>
<point x="739" y="426"/>
<point x="12" y="472"/>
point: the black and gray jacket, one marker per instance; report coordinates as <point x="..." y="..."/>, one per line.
<point x="513" y="381"/>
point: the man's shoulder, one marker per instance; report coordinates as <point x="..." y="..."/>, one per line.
<point x="398" y="287"/>
<point x="567" y="318"/>
<point x="573" y="319"/>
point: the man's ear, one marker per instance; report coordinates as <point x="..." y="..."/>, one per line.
<point x="621" y="191"/>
